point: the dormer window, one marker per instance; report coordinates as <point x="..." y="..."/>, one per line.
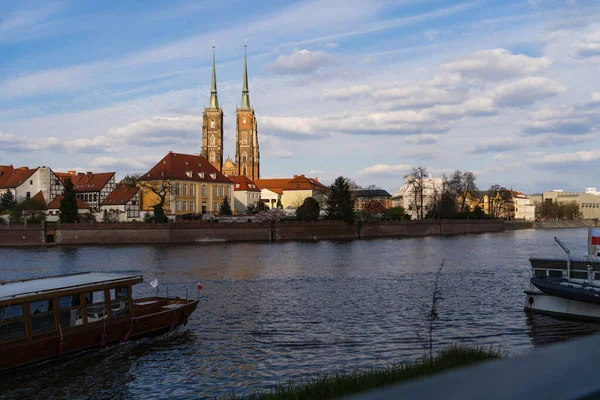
<point x="201" y="175"/>
<point x="237" y="185"/>
<point x="188" y="173"/>
<point x="186" y="163"/>
<point x="214" y="176"/>
<point x="199" y="164"/>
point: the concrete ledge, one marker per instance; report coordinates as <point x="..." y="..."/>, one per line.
<point x="562" y="371"/>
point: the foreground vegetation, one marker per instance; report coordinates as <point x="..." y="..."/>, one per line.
<point x="333" y="386"/>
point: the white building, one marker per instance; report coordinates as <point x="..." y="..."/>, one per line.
<point x="124" y="202"/>
<point x="405" y="196"/>
<point x="54" y="208"/>
<point x="245" y="193"/>
<point x="524" y="209"/>
<point x="25" y="183"/>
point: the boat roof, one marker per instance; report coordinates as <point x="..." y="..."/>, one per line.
<point x="29" y="287"/>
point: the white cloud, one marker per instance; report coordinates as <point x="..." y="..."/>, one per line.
<point x="301" y="62"/>
<point x="10" y="142"/>
<point x="385" y="170"/>
<point x="127" y="164"/>
<point x="495" y="145"/>
<point x="496" y="65"/>
<point x="588" y="46"/>
<point x="565" y="161"/>
<point x="526" y="91"/>
<point x="346" y="93"/>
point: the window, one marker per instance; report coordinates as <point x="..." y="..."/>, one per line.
<point x="13" y="323"/>
<point x="228" y="191"/>
<point x="244" y="170"/>
<point x="28" y="195"/>
<point x="221" y="191"/>
<point x="244" y="157"/>
<point x="31" y="182"/>
<point x="192" y="189"/>
<point x="42" y="316"/>
<point x="244" y="119"/>
<point x="119" y="301"/>
<point x="201" y="175"/>
<point x="214" y="176"/>
<point x="184" y="205"/>
<point x="95" y="197"/>
<point x="188" y="173"/>
<point x="204" y="191"/>
<point x="185" y="189"/>
<point x="212" y="156"/>
<point x="177" y="188"/>
<point x="192" y="205"/>
<point x="215" y="207"/>
<point x="177" y="208"/>
<point x="244" y="138"/>
<point x="71" y="312"/>
<point x="215" y="190"/>
<point x="95" y="306"/>
<point x="212" y="123"/>
<point x="237" y="185"/>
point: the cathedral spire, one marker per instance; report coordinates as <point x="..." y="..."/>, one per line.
<point x="245" y="95"/>
<point x="214" y="101"/>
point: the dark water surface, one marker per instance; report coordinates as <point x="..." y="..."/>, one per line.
<point x="271" y="312"/>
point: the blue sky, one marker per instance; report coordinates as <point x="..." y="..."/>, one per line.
<point x="364" y="89"/>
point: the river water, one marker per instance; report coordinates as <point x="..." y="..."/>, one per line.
<point x="271" y="312"/>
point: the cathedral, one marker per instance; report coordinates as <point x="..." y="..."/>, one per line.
<point x="247" y="156"/>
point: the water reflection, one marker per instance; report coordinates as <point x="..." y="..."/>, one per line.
<point x="273" y="312"/>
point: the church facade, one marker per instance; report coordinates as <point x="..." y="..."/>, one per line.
<point x="247" y="155"/>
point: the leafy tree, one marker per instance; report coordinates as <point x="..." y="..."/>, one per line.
<point x="225" y="207"/>
<point x="478" y="213"/>
<point x="256" y="207"/>
<point x="7" y="201"/>
<point x="340" y="205"/>
<point x="395" y="213"/>
<point x="88" y="217"/>
<point x="309" y="210"/>
<point x="130" y="180"/>
<point x="68" y="205"/>
<point x="32" y="211"/>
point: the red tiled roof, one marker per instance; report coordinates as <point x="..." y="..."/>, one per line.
<point x="121" y="195"/>
<point x="298" y="182"/>
<point x="185" y="167"/>
<point x="17" y="177"/>
<point x="5" y="172"/>
<point x="55" y="204"/>
<point x="244" y="183"/>
<point x="88" y="182"/>
<point x="39" y="196"/>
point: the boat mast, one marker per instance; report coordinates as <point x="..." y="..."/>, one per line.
<point x="561" y="244"/>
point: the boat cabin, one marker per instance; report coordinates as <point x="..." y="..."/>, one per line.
<point x="576" y="269"/>
<point x="34" y="309"/>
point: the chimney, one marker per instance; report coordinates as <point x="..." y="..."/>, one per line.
<point x="80" y="174"/>
<point x="89" y="173"/>
<point x="72" y="172"/>
<point x="316" y="179"/>
<point x="295" y="176"/>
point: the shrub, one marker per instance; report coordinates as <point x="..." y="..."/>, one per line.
<point x="309" y="210"/>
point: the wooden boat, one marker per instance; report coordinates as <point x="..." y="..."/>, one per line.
<point x="54" y="316"/>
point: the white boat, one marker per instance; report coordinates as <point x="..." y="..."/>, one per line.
<point x="563" y="287"/>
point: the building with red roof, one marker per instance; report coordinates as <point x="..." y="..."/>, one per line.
<point x="124" y="201"/>
<point x="292" y="192"/>
<point x="54" y="208"/>
<point x="193" y="185"/>
<point x="90" y="187"/>
<point x="26" y="182"/>
<point x="245" y="193"/>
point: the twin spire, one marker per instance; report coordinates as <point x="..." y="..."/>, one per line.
<point x="214" y="101"/>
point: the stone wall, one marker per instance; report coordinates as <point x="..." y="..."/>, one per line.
<point x="207" y="232"/>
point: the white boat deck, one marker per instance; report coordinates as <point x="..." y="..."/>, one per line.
<point x="15" y="289"/>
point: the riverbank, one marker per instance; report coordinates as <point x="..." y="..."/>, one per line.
<point x="210" y="232"/>
<point x="335" y="386"/>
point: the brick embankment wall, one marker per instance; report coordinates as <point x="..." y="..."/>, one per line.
<point x="219" y="232"/>
<point x="21" y="235"/>
<point x="297" y="230"/>
<point x="565" y="224"/>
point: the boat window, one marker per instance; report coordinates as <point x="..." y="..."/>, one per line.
<point x="71" y="313"/>
<point x="119" y="307"/>
<point x="70" y="301"/>
<point x="119" y="293"/>
<point x="96" y="308"/>
<point x="12" y="323"/>
<point x="40" y="306"/>
<point x="42" y="317"/>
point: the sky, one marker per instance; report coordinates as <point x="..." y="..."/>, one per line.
<point x="365" y="89"/>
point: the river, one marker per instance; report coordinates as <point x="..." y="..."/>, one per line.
<point x="271" y="312"/>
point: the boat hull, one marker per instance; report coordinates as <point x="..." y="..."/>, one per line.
<point x="94" y="335"/>
<point x="543" y="303"/>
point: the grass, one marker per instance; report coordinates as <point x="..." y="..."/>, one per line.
<point x="333" y="386"/>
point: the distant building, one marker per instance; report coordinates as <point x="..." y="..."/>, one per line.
<point x="124" y="201"/>
<point x="588" y="202"/>
<point x="245" y="193"/>
<point x="54" y="208"/>
<point x="193" y="185"/>
<point x="90" y="187"/>
<point x="406" y="197"/>
<point x="524" y="207"/>
<point x="229" y="168"/>
<point x="25" y="183"/>
<point x="292" y="192"/>
<point x="365" y="199"/>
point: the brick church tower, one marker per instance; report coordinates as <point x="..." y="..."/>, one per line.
<point x="212" y="125"/>
<point x="247" y="156"/>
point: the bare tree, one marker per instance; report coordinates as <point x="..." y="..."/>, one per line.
<point x="443" y="201"/>
<point x="500" y="202"/>
<point x="161" y="189"/>
<point x="416" y="181"/>
<point x="463" y="184"/>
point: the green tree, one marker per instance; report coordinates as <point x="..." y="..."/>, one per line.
<point x="130" y="180"/>
<point x="256" y="207"/>
<point x="68" y="205"/>
<point x="395" y="213"/>
<point x="225" y="207"/>
<point x="340" y="205"/>
<point x="309" y="210"/>
<point x="7" y="201"/>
